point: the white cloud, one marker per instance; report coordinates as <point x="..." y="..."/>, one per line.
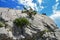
<point x="56" y="15"/>
<point x="55" y="7"/>
<point x="30" y="3"/>
<point x="57" y="0"/>
<point x="41" y="7"/>
<point x="27" y="3"/>
<point x="17" y="6"/>
<point x="40" y="1"/>
<point x="56" y="18"/>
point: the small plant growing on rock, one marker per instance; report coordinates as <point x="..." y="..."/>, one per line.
<point x="2" y="24"/>
<point x="21" y="22"/>
<point x="29" y="12"/>
<point x="43" y="32"/>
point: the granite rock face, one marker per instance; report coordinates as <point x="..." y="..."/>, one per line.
<point x="39" y="23"/>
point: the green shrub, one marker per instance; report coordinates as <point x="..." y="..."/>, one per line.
<point x="47" y="30"/>
<point x="20" y="22"/>
<point x="2" y="24"/>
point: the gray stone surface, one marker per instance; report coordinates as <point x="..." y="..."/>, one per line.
<point x="3" y="31"/>
<point x="57" y="33"/>
<point x="40" y="23"/>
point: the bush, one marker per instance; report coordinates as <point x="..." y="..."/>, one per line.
<point x="20" y="22"/>
<point x="2" y="24"/>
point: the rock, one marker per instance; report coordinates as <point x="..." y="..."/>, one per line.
<point x="5" y="37"/>
<point x="32" y="32"/>
<point x="3" y="31"/>
<point x="57" y="33"/>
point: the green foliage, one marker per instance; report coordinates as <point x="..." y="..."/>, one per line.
<point x="47" y="30"/>
<point x="29" y="12"/>
<point x="20" y="22"/>
<point x="25" y="10"/>
<point x="43" y="32"/>
<point x="2" y="24"/>
<point x="34" y="12"/>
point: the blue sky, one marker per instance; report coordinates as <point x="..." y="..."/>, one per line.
<point x="50" y="7"/>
